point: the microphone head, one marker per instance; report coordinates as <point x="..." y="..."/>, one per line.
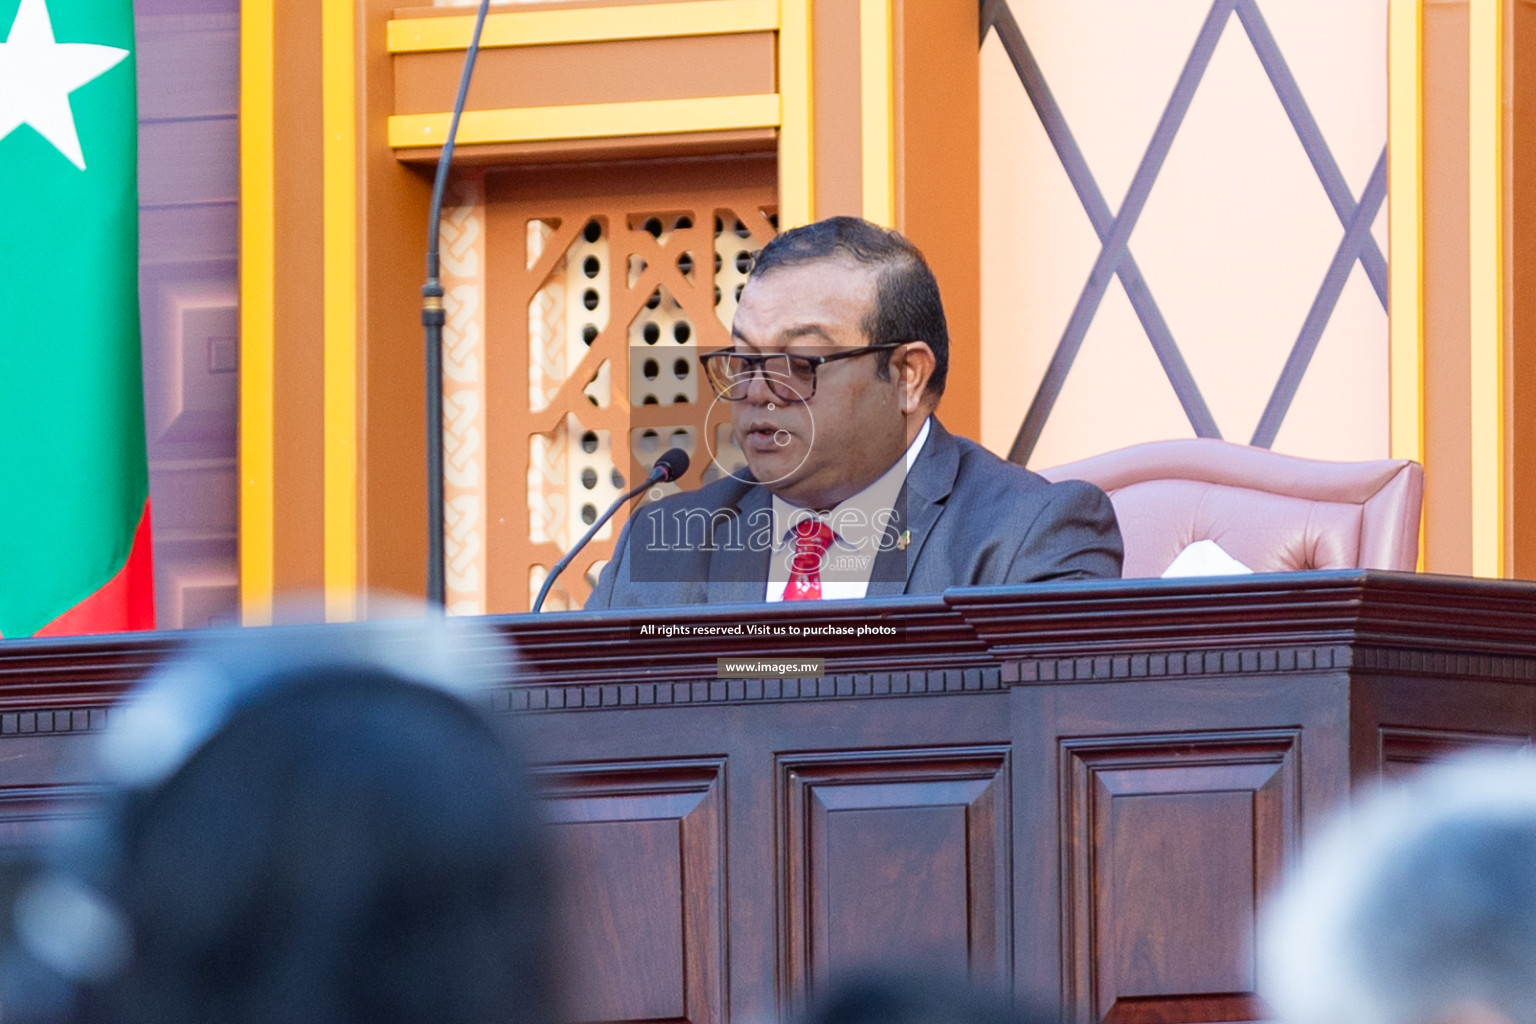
<point x="673" y="464"/>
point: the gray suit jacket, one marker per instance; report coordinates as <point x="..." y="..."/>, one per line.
<point x="972" y="519"/>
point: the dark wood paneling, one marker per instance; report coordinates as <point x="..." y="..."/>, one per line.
<point x="1404" y="750"/>
<point x="1170" y="842"/>
<point x="895" y="856"/>
<point x="641" y="864"/>
<point x="29" y="815"/>
<point x="1080" y="791"/>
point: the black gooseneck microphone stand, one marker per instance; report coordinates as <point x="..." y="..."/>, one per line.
<point x="669" y="467"/>
<point x="432" y="318"/>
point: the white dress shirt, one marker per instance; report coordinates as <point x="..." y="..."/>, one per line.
<point x="858" y="525"/>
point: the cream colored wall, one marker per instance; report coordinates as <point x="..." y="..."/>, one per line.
<point x="1234" y="242"/>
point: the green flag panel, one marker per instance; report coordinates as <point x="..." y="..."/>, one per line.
<point x="72" y="456"/>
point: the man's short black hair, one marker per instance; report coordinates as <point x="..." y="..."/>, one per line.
<point x="907" y="304"/>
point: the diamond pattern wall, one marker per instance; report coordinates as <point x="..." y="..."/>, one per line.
<point x="1202" y="164"/>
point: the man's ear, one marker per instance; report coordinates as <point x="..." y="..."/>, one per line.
<point x="913" y="365"/>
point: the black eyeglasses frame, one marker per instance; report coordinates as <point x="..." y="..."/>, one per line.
<point x="757" y="366"/>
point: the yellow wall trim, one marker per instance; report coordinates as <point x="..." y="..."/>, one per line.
<point x="586" y="25"/>
<point x="877" y="102"/>
<point x="338" y="105"/>
<point x="258" y="303"/>
<point x="1486" y="125"/>
<point x="589" y="120"/>
<point x="1405" y="219"/>
<point x="797" y="162"/>
<point x="1405" y="232"/>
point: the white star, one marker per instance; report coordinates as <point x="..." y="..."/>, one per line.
<point x="37" y="75"/>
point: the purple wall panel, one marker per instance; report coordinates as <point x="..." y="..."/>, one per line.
<point x="188" y="64"/>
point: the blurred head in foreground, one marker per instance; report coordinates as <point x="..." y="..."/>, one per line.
<point x="1419" y="909"/>
<point x="915" y="997"/>
<point x="308" y="825"/>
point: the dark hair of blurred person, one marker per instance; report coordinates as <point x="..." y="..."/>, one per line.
<point x="343" y="843"/>
<point x="916" y="997"/>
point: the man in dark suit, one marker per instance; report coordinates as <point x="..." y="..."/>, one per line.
<point x="852" y="487"/>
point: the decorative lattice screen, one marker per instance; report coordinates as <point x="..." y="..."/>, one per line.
<point x="596" y="311"/>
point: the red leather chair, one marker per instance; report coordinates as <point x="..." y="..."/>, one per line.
<point x="1271" y="512"/>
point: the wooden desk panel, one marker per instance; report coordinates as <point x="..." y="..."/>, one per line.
<point x="1079" y="792"/>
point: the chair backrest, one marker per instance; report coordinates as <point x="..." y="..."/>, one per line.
<point x="1273" y="513"/>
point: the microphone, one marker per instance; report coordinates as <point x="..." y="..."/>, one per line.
<point x="672" y="465"/>
<point x="668" y="468"/>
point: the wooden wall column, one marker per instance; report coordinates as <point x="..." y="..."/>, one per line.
<point x="392" y="205"/>
<point x="333" y="227"/>
<point x="1521" y="325"/>
<point x="282" y="300"/>
<point x="897" y="140"/>
<point x="1464" y="396"/>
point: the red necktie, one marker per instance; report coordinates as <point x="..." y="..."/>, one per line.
<point x="812" y="538"/>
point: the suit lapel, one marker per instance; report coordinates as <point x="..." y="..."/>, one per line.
<point x="927" y="486"/>
<point x="738" y="574"/>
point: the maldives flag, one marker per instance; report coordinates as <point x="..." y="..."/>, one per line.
<point x="74" y="482"/>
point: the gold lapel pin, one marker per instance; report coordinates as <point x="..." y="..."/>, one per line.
<point x="904" y="540"/>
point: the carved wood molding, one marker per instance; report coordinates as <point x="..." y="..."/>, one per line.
<point x="55" y="722"/>
<point x="1179" y="663"/>
<point x="1142" y="815"/>
<point x="1123" y="769"/>
<point x="975" y="639"/>
<point x="641" y="848"/>
<point x="858" y="824"/>
<point x="30" y="814"/>
<point x="1400" y="661"/>
<point x="723" y="691"/>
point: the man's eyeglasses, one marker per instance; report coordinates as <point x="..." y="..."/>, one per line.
<point x="790" y="377"/>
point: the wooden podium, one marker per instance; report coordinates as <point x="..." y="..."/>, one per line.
<point x="1079" y="792"/>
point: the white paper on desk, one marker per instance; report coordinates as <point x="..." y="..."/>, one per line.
<point x="1205" y="558"/>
